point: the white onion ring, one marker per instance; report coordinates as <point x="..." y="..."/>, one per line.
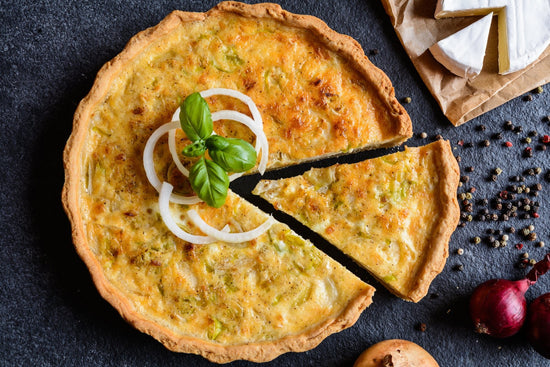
<point x="164" y="206"/>
<point x="240" y="96"/>
<point x="174" y="152"/>
<point x="149" y="165"/>
<point x="228" y="237"/>
<point x="261" y="145"/>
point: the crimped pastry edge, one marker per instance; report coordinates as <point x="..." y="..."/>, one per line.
<point x="257" y="352"/>
<point x="434" y="262"/>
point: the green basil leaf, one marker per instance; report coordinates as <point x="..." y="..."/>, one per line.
<point x="237" y="156"/>
<point x="209" y="181"/>
<point x="195" y="149"/>
<point x="195" y="117"/>
<point x="216" y="142"/>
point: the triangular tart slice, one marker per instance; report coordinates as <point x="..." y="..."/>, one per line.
<point x="393" y="215"/>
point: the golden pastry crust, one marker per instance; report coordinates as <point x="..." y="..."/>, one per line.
<point x="395" y="353"/>
<point x="394" y="215"/>
<point x="82" y="142"/>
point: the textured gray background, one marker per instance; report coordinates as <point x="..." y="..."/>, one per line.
<point x="50" y="311"/>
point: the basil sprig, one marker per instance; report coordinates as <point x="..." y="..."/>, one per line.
<point x="209" y="178"/>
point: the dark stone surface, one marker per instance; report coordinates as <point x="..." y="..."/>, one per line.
<point x="51" y="313"/>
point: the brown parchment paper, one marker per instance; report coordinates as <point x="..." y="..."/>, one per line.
<point x="460" y="99"/>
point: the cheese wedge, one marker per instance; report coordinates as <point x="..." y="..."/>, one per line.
<point x="393" y="215"/>
<point x="523" y="27"/>
<point x="463" y="52"/>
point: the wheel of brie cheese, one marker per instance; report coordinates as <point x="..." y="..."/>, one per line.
<point x="523" y="28"/>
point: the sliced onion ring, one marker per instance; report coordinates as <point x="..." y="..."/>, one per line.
<point x="164" y="206"/>
<point x="149" y="165"/>
<point x="240" y="96"/>
<point x="261" y="141"/>
<point x="228" y="237"/>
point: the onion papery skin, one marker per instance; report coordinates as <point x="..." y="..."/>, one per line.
<point x="538" y="325"/>
<point x="498" y="307"/>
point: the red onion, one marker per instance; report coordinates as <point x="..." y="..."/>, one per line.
<point x="538" y="325"/>
<point x="498" y="306"/>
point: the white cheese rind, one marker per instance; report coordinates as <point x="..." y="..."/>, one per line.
<point x="463" y="52"/>
<point x="524" y="27"/>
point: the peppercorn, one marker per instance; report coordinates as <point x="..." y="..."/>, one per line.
<point x="480" y="127"/>
<point x="532" y="262"/>
<point x="530" y="172"/>
<point x="421" y="327"/>
<point x="495" y="244"/>
<point x="469" y="169"/>
<point x="540" y="244"/>
<point x="497" y="136"/>
<point x="469" y="145"/>
<point x="494" y="216"/>
<point x="532" y="236"/>
<point x="528" y="152"/>
<point x="438" y="137"/>
<point x="508" y="144"/>
<point x="531" y="227"/>
<point x="526" y="216"/>
<point x="407" y="100"/>
<point x="538" y="170"/>
<point x="525" y="231"/>
<point x="464" y="179"/>
<point x="527" y="140"/>
<point x="374" y="51"/>
<point x="485" y="143"/>
<point x="477" y="240"/>
<point x="459" y="267"/>
<point x="518" y="129"/>
<point x="525" y="255"/>
<point x="546" y="139"/>
<point x="528" y="98"/>
<point x="538" y="90"/>
<point x="469" y="196"/>
<point x="458" y="158"/>
<point x="512" y="230"/>
<point x="460" y="251"/>
<point x="533" y="133"/>
<point x="508" y="125"/>
<point x="494" y="178"/>
<point x="423" y="135"/>
<point x="505" y="217"/>
<point x="483" y="202"/>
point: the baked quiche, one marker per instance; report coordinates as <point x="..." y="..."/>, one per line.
<point x="318" y="95"/>
<point x="393" y="215"/>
